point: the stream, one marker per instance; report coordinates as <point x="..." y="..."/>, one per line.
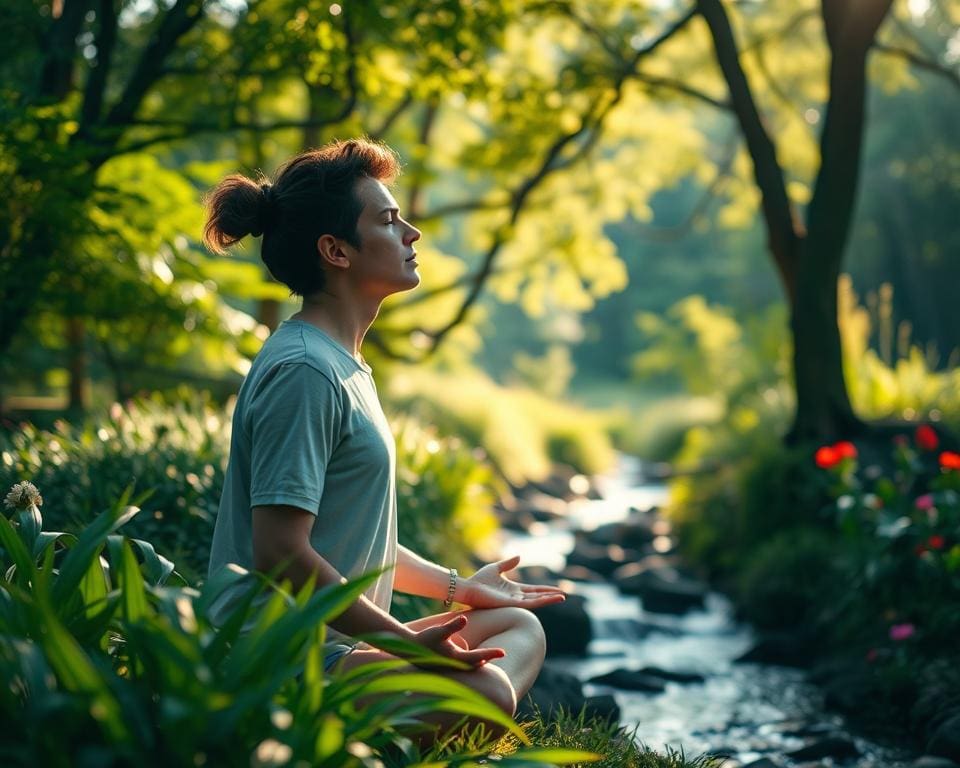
<point x="745" y="710"/>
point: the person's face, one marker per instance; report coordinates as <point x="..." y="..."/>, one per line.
<point x="385" y="262"/>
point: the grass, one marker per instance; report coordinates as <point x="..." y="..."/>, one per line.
<point x="616" y="746"/>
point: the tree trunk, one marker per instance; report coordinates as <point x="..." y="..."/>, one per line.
<point x="823" y="405"/>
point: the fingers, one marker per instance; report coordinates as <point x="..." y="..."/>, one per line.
<point x="530" y="601"/>
<point x="479" y="656"/>
<point x="536" y="589"/>
<point x="509" y="564"/>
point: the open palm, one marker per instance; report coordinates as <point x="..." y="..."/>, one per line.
<point x="489" y="588"/>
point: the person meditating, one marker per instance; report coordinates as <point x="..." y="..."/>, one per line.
<point x="311" y="473"/>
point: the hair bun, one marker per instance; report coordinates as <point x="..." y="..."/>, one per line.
<point x="265" y="209"/>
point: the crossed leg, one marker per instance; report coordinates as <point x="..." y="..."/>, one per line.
<point x="503" y="681"/>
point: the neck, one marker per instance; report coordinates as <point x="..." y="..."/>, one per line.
<point x="345" y="320"/>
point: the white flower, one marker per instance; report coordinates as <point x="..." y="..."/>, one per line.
<point x="23" y="496"/>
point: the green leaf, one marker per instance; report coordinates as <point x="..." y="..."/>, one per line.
<point x="29" y="525"/>
<point x="87" y="549"/>
<point x="557" y="755"/>
<point x="76" y="672"/>
<point x="135" y="604"/>
<point x="456" y="697"/>
<point x="17" y="550"/>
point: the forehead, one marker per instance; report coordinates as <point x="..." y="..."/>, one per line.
<point x="375" y="196"/>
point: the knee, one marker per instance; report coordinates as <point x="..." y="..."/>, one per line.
<point x="500" y="690"/>
<point x="530" y="627"/>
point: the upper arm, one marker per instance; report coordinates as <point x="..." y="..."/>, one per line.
<point x="279" y="530"/>
<point x="294" y="423"/>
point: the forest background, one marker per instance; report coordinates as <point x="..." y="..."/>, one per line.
<point x="587" y="189"/>
<point x="716" y="234"/>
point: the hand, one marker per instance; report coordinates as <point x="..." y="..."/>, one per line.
<point x="443" y="640"/>
<point x="489" y="588"/>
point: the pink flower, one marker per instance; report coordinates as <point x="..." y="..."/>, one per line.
<point x="872" y="655"/>
<point x="924" y="502"/>
<point x="900" y="632"/>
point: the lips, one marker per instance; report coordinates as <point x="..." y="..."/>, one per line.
<point x="411" y="257"/>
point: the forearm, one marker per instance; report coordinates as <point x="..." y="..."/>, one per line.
<point x="417" y="576"/>
<point x="362" y="617"/>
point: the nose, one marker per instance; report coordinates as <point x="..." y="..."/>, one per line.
<point x="412" y="235"/>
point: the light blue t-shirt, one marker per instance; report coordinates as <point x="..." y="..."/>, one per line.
<point x="309" y="431"/>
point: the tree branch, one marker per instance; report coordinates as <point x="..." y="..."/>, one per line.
<point x="920" y="62"/>
<point x="177" y="21"/>
<point x="778" y="214"/>
<point x="97" y="79"/>
<point x="676" y="85"/>
<point x="392" y="116"/>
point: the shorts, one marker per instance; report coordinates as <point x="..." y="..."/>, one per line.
<point x="334" y="654"/>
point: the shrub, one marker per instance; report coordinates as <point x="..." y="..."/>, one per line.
<point x="789" y="578"/>
<point x="172" y="458"/>
<point x="110" y="659"/>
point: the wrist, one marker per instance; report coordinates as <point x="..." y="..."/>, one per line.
<point x="453" y="583"/>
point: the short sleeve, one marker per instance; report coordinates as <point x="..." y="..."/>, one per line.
<point x="294" y="422"/>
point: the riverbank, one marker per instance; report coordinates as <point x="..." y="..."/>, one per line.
<point x="665" y="654"/>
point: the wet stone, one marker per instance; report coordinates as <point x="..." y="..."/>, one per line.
<point x="945" y="741"/>
<point x="763" y="762"/>
<point x="566" y="626"/>
<point x="835" y="747"/>
<point x="932" y="761"/>
<point x="672" y="676"/>
<point x="552" y="690"/>
<point x="630" y="680"/>
<point x="603" y="707"/>
<point x="783" y="648"/>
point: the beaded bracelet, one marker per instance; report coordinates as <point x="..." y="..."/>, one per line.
<point x="448" y="603"/>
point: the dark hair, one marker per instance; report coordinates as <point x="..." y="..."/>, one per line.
<point x="314" y="194"/>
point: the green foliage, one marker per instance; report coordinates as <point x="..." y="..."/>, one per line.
<point x="617" y="747"/>
<point x="171" y="457"/>
<point x="445" y="496"/>
<point x="109" y="656"/>
<point x="789" y="579"/>
<point x="520" y="430"/>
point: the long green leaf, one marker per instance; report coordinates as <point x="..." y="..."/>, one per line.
<point x="557" y="755"/>
<point x="266" y="641"/>
<point x="75" y="670"/>
<point x="17" y="550"/>
<point x="29" y="525"/>
<point x="457" y="697"/>
<point x="135" y="604"/>
<point x="47" y="538"/>
<point x="87" y="549"/>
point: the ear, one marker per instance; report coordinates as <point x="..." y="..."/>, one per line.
<point x="331" y="252"/>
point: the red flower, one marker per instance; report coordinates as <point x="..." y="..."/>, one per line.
<point x="919" y="550"/>
<point x="827" y="457"/>
<point x="936" y="541"/>
<point x="950" y="460"/>
<point x="926" y="438"/>
<point x="845" y="449"/>
<point x="901" y="440"/>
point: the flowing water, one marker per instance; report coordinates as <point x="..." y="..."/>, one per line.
<point x="748" y="711"/>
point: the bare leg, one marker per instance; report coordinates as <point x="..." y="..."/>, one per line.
<point x="503" y="681"/>
<point x="516" y="630"/>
